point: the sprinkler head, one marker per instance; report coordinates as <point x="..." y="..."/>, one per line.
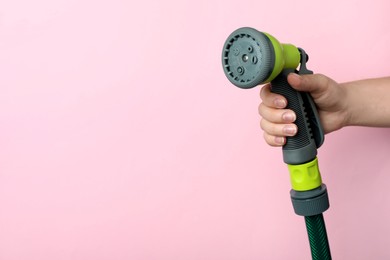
<point x="250" y="57"/>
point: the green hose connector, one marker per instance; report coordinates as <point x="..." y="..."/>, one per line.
<point x="309" y="197"/>
<point x="305" y="176"/>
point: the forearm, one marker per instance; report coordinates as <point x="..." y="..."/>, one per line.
<point x="368" y="102"/>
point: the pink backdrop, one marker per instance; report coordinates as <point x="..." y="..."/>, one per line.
<point x="120" y="137"/>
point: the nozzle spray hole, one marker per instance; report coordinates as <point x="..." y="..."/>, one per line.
<point x="254" y="59"/>
<point x="245" y="58"/>
<point x="250" y="48"/>
<point x="240" y="70"/>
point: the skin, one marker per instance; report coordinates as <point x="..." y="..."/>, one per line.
<point x="359" y="103"/>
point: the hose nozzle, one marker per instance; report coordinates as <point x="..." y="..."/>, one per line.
<point x="250" y="57"/>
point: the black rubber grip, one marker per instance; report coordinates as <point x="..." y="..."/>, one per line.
<point x="300" y="148"/>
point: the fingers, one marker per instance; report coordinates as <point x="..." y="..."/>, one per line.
<point x="271" y="99"/>
<point x="274" y="140"/>
<point x="277" y="116"/>
<point x="276" y="122"/>
<point x="275" y="134"/>
<point x="278" y="129"/>
<point x="313" y="83"/>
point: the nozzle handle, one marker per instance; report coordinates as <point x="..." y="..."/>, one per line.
<point x="302" y="147"/>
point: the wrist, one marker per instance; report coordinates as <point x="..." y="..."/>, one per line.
<point x="347" y="110"/>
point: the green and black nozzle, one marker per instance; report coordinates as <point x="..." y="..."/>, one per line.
<point x="251" y="58"/>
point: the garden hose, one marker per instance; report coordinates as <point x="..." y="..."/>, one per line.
<point x="318" y="239"/>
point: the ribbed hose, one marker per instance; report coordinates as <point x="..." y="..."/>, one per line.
<point x="318" y="238"/>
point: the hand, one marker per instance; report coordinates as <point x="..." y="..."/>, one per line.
<point x="278" y="122"/>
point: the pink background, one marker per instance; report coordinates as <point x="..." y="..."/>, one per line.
<point x="120" y="137"/>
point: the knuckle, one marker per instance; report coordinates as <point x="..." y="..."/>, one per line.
<point x="271" y="140"/>
<point x="263" y="110"/>
<point x="263" y="91"/>
<point x="274" y="129"/>
<point x="259" y="109"/>
<point x="323" y="79"/>
<point x="267" y="139"/>
<point x="262" y="122"/>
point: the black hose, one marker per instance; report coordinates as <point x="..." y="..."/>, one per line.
<point x="318" y="238"/>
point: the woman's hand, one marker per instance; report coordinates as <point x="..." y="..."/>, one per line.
<point x="278" y="122"/>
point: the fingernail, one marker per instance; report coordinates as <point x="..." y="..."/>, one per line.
<point x="288" y="117"/>
<point x="279" y="140"/>
<point x="291" y="130"/>
<point x="280" y="103"/>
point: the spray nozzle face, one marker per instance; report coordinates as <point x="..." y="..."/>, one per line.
<point x="247" y="58"/>
<point x="250" y="57"/>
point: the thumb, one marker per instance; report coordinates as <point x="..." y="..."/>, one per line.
<point x="314" y="83"/>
